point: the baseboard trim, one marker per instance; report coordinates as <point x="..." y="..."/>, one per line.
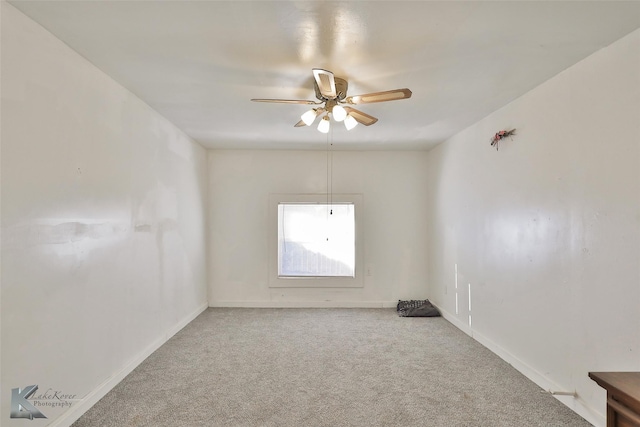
<point x="575" y="403"/>
<point x="456" y="322"/>
<point x="303" y="304"/>
<point x="78" y="409"/>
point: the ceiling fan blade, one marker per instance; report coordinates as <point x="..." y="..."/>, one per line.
<point x="288" y="101"/>
<point x="326" y="83"/>
<point x="389" y="95"/>
<point x="361" y="117"/>
<point x="299" y="124"/>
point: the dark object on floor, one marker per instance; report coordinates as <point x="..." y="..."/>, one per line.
<point x="417" y="308"/>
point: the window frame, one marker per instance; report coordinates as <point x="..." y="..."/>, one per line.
<point x="275" y="281"/>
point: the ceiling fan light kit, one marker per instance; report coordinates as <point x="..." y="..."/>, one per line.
<point x="339" y="113"/>
<point x="332" y="92"/>
<point x="350" y="122"/>
<point x="324" y="124"/>
<point x="309" y="117"/>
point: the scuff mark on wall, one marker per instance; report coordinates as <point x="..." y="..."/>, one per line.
<point x="63" y="233"/>
<point x="143" y="228"/>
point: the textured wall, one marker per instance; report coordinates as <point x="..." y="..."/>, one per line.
<point x="545" y="233"/>
<point x="103" y="224"/>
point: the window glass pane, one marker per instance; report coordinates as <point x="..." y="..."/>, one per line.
<point x="316" y="240"/>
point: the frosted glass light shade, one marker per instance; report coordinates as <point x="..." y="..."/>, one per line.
<point x="350" y="122"/>
<point x="339" y="113"/>
<point x="309" y="117"/>
<point x="324" y="125"/>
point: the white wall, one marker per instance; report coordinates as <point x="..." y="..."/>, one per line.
<point x="547" y="230"/>
<point x="395" y="239"/>
<point x="103" y="224"/>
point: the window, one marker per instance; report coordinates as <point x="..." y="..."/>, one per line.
<point x="314" y="243"/>
<point x="316" y="239"/>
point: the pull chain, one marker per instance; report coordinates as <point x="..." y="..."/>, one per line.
<point x="329" y="176"/>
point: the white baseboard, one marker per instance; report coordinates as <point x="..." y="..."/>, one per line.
<point x="575" y="403"/>
<point x="304" y="304"/>
<point x="456" y="322"/>
<point x="79" y="408"/>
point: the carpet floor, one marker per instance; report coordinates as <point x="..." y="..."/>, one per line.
<point x="324" y="367"/>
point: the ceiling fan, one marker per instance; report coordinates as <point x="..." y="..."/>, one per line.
<point x="331" y="92"/>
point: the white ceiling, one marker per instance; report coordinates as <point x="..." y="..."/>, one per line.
<point x="199" y="62"/>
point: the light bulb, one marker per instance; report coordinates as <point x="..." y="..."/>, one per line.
<point x="350" y="122"/>
<point x="324" y="125"/>
<point x="309" y="117"/>
<point x="339" y="113"/>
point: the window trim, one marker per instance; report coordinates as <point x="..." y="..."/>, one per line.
<point x="315" y="281"/>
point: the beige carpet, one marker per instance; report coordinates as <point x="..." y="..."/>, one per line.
<point x="324" y="367"/>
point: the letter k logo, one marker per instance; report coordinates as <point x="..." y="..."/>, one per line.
<point x="21" y="407"/>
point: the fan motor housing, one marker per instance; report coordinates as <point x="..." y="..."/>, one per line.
<point x="341" y="89"/>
